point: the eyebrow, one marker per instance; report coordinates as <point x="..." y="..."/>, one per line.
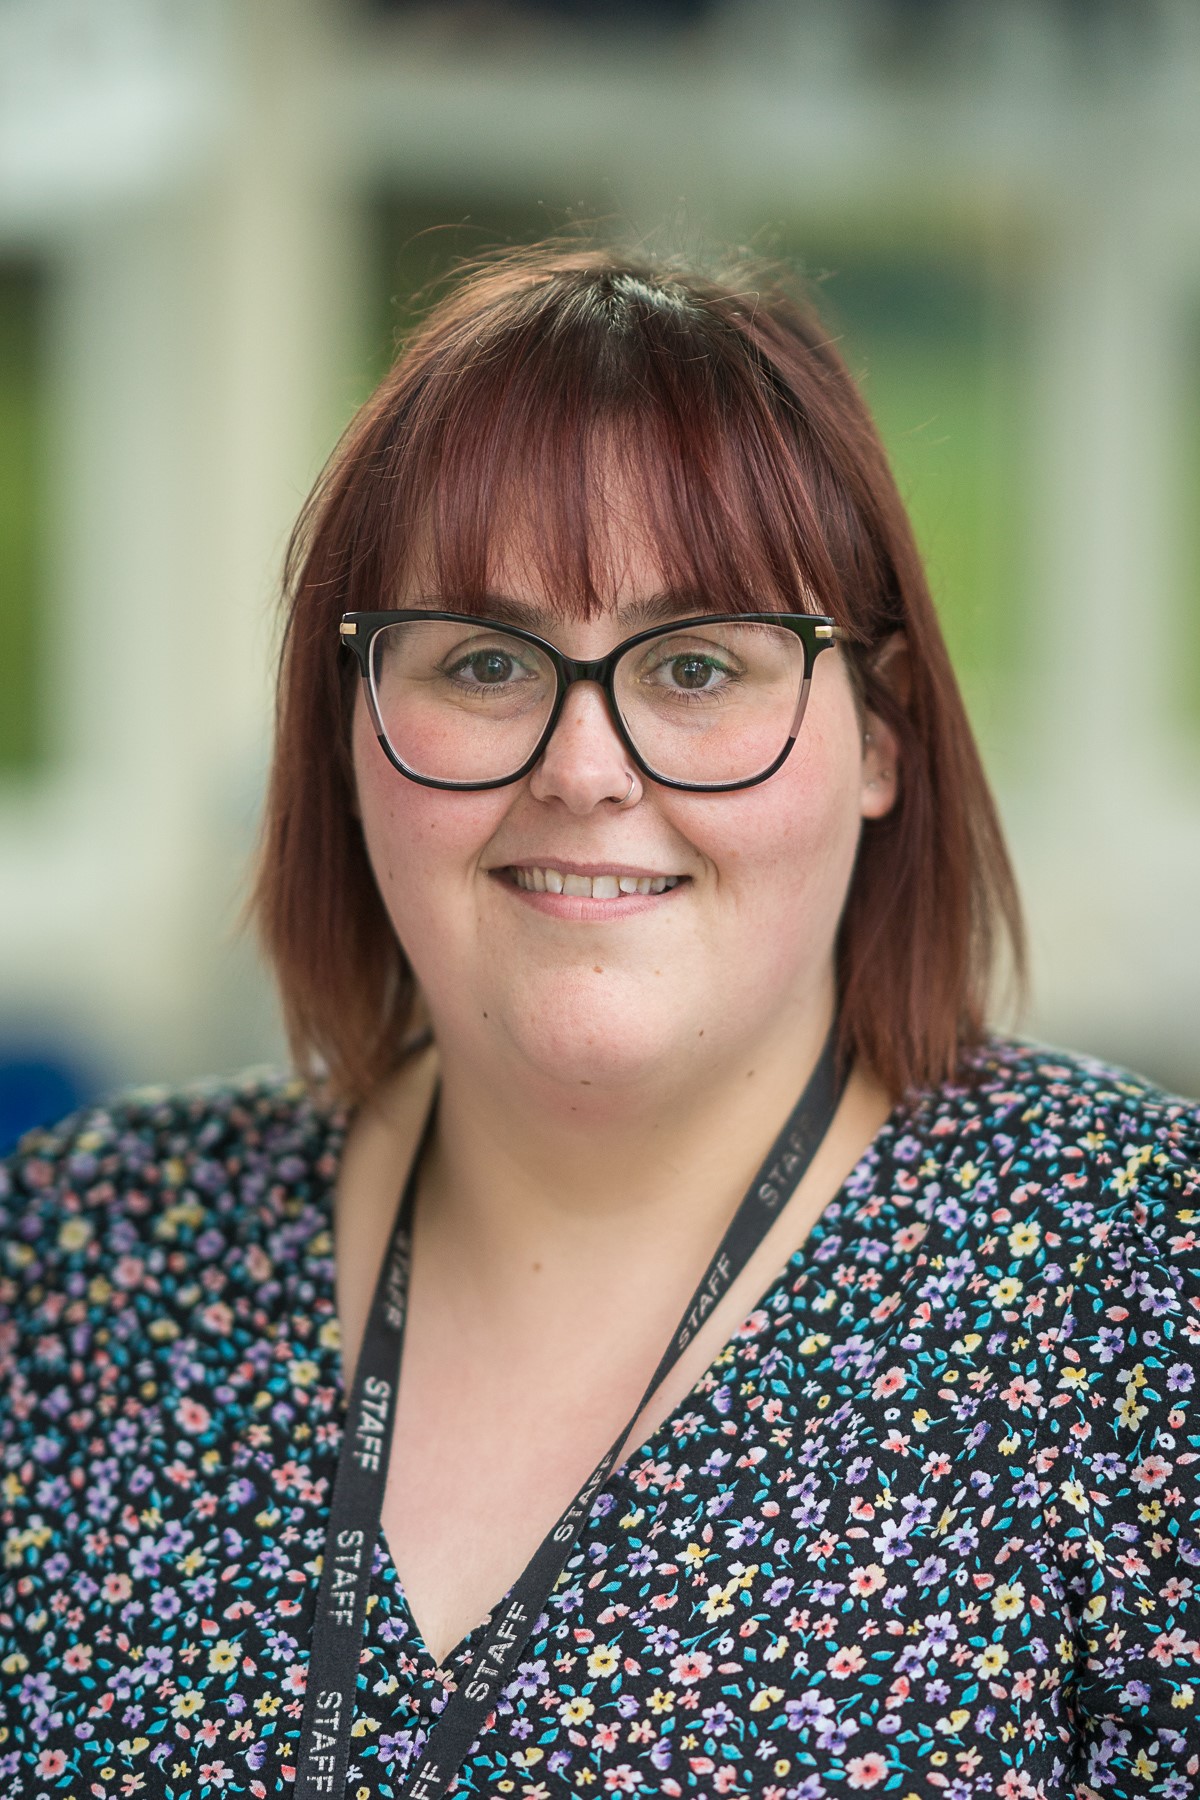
<point x="632" y="615"/>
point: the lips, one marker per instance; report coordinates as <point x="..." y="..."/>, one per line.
<point x="602" y="885"/>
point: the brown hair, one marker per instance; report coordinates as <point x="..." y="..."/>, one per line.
<point x="762" y="475"/>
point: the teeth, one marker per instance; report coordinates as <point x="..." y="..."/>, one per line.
<point x="591" y="887"/>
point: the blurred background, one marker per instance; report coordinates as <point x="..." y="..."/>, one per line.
<point x="213" y="217"/>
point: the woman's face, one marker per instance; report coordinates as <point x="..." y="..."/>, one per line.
<point x="603" y="992"/>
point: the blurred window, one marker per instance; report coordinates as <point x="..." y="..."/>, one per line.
<point x="22" y="510"/>
<point x="1186" y="499"/>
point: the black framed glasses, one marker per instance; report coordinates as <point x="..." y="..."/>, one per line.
<point x="707" y="704"/>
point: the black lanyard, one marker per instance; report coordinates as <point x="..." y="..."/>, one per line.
<point x="324" y="1751"/>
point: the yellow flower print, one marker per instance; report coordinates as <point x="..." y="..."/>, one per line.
<point x="718" y="1605"/>
<point x="991" y="1660"/>
<point x="74" y="1234"/>
<point x="267" y="1705"/>
<point x="1003" y="1293"/>
<point x="661" y="1702"/>
<point x="766" y="1697"/>
<point x="694" y="1555"/>
<point x="576" y="1712"/>
<point x="187" y="1705"/>
<point x="1072" y="1492"/>
<point x="603" y="1660"/>
<point x="222" y="1657"/>
<point x="1024" y="1239"/>
<point x="1008" y="1601"/>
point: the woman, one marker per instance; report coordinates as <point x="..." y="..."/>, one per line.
<point x="638" y="802"/>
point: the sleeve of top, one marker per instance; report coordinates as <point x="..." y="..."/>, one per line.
<point x="1126" y="1512"/>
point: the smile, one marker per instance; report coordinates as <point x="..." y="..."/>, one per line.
<point x="589" y="887"/>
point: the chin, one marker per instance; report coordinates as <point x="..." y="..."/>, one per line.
<point x="569" y="1045"/>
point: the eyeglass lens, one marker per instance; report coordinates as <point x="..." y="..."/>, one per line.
<point x="469" y="702"/>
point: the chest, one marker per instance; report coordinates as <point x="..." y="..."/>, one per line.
<point x="771" y="1581"/>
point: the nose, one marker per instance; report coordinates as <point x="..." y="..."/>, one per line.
<point x="585" y="762"/>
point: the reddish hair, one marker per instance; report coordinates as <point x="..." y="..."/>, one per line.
<point x="729" y="412"/>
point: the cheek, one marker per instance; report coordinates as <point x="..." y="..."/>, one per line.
<point x="418" y="839"/>
<point x="790" y="842"/>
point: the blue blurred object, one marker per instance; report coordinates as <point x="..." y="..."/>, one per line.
<point x="36" y="1088"/>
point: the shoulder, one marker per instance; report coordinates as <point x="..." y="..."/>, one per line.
<point x="1063" y="1125"/>
<point x="1061" y="1173"/>
<point x="125" y="1193"/>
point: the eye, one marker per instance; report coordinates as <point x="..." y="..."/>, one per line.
<point x="682" y="670"/>
<point x="485" y="668"/>
<point x="692" y="671"/>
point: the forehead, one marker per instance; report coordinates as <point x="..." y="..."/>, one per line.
<point x="530" y="561"/>
<point x="614" y="570"/>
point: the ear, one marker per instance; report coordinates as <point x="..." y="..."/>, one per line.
<point x="881" y="745"/>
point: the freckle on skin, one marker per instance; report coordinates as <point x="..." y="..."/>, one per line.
<point x="596" y="969"/>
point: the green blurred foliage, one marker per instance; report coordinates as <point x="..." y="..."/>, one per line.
<point x="22" y="509"/>
<point x="938" y="348"/>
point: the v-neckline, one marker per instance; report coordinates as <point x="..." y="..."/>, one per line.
<point x="648" y="1449"/>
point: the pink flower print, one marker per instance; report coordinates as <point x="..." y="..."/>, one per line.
<point x="622" y="1779"/>
<point x="691" y="1667"/>
<point x="1151" y="1472"/>
<point x="890" y="1382"/>
<point x="866" y="1771"/>
<point x="193" y="1416"/>
<point x="1021" y="1391"/>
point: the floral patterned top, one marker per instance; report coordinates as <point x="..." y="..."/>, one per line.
<point x="929" y="1525"/>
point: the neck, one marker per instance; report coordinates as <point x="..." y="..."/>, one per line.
<point x="522" y="1176"/>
